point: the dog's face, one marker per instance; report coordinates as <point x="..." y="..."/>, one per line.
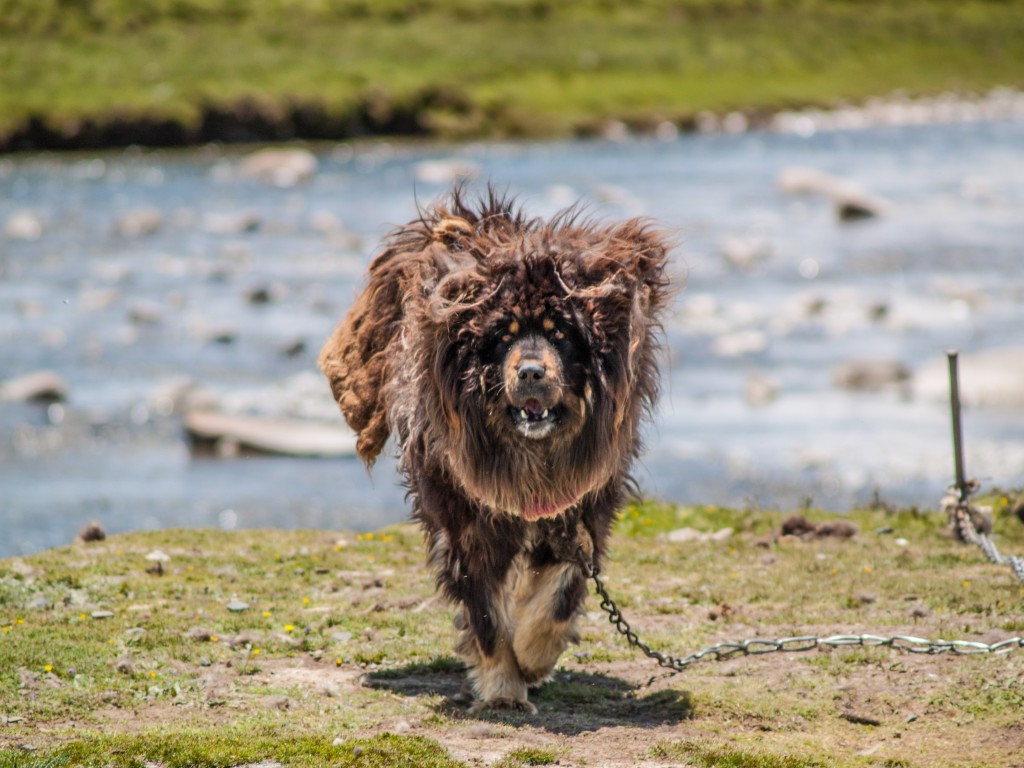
<point x="535" y="377"/>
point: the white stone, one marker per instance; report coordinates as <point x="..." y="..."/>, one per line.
<point x="744" y="252"/>
<point x="869" y="375"/>
<point x="445" y="172"/>
<point x="280" y="167"/>
<point x="740" y="343"/>
<point x="139" y="222"/>
<point x="24" y="225"/>
<point x="290" y="437"/>
<point x="851" y="202"/>
<point x="40" y="386"/>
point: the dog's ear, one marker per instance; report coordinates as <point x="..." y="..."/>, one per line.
<point x="643" y="253"/>
<point x="355" y="358"/>
<point x="424" y="261"/>
<point x="640" y="252"/>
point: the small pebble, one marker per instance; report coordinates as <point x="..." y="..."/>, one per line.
<point x="102" y="614"/>
<point x="92" y="531"/>
<point x="200" y="634"/>
<point x="237" y="606"/>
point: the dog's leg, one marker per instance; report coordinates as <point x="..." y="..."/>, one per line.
<point x="484" y="625"/>
<point x="548" y="595"/>
<point x="546" y="610"/>
<point x="495" y="677"/>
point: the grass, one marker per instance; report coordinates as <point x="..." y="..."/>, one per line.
<point x="196" y="749"/>
<point x="461" y="69"/>
<point x="343" y="655"/>
<point x="709" y="756"/>
<point x="524" y="756"/>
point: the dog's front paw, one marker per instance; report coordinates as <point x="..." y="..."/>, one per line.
<point x="503" y="705"/>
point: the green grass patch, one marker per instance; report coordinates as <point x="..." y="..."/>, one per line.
<point x="460" y="69"/>
<point x="709" y="755"/>
<point x="528" y="756"/>
<point x="192" y="749"/>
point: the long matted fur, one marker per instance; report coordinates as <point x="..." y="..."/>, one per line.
<point x="513" y="359"/>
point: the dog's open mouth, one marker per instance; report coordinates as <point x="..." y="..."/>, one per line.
<point x="533" y="418"/>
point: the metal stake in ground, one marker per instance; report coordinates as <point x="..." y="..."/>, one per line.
<point x="954" y="403"/>
<point x="966" y="520"/>
<point x="958" y="507"/>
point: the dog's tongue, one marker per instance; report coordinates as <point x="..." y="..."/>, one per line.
<point x="533" y="407"/>
<point x="546" y="508"/>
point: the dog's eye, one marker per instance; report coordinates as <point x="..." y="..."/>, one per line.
<point x="557" y="335"/>
<point x="506" y="338"/>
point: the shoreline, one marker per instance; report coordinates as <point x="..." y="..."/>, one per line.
<point x="250" y="123"/>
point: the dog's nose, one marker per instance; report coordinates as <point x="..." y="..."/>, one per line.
<point x="531" y="370"/>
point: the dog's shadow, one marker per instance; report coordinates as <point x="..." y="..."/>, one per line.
<point x="571" y="703"/>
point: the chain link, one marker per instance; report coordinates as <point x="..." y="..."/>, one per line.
<point x="965" y="525"/>
<point x="968" y="524"/>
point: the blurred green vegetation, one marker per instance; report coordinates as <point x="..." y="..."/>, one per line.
<point x="460" y="68"/>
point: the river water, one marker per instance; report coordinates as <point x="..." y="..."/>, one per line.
<point x="140" y="276"/>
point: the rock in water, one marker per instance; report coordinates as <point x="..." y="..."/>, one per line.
<point x="869" y="375"/>
<point x="227" y="434"/>
<point x="139" y="222"/>
<point x="280" y="167"/>
<point x="24" y="225"/>
<point x="37" y="387"/>
<point x="850" y="201"/>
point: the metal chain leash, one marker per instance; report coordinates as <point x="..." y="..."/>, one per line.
<point x="801" y="643"/>
<point x="966" y="521"/>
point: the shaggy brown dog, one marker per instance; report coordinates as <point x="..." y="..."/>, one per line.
<point x="514" y="360"/>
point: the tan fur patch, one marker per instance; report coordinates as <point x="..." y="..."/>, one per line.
<point x="513" y="327"/>
<point x="451" y="228"/>
<point x="549" y="324"/>
<point x="539" y="640"/>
